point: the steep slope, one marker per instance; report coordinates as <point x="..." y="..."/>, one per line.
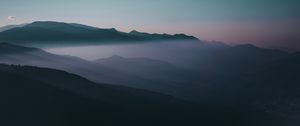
<point x="64" y="33"/>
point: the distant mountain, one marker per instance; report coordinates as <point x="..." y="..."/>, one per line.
<point x="65" y="33"/>
<point x="8" y="27"/>
<point x="244" y="58"/>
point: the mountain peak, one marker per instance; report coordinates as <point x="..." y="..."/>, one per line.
<point x="134" y="31"/>
<point x="47" y="24"/>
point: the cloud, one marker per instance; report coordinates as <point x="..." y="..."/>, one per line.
<point x="11" y="18"/>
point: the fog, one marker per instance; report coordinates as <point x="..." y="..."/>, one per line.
<point x="183" y="53"/>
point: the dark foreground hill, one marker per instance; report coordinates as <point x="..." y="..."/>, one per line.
<point x="38" y="96"/>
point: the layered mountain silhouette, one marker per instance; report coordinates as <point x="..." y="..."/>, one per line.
<point x="261" y="84"/>
<point x="143" y="73"/>
<point x="70" y="33"/>
<point x="14" y="54"/>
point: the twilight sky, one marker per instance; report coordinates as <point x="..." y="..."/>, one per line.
<point x="271" y="23"/>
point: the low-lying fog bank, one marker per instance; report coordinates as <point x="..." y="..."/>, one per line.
<point x="183" y="53"/>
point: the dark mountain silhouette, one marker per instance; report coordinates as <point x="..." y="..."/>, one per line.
<point x="41" y="32"/>
<point x="39" y="96"/>
<point x="156" y="36"/>
<point x="36" y="96"/>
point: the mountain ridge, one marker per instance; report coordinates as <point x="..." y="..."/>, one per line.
<point x="8" y="27"/>
<point x="50" y="31"/>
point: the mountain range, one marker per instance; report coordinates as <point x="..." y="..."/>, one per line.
<point x="260" y="83"/>
<point x="47" y="32"/>
<point x="222" y="84"/>
<point x="143" y="73"/>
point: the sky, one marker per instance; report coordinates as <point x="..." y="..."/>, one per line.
<point x="268" y="23"/>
